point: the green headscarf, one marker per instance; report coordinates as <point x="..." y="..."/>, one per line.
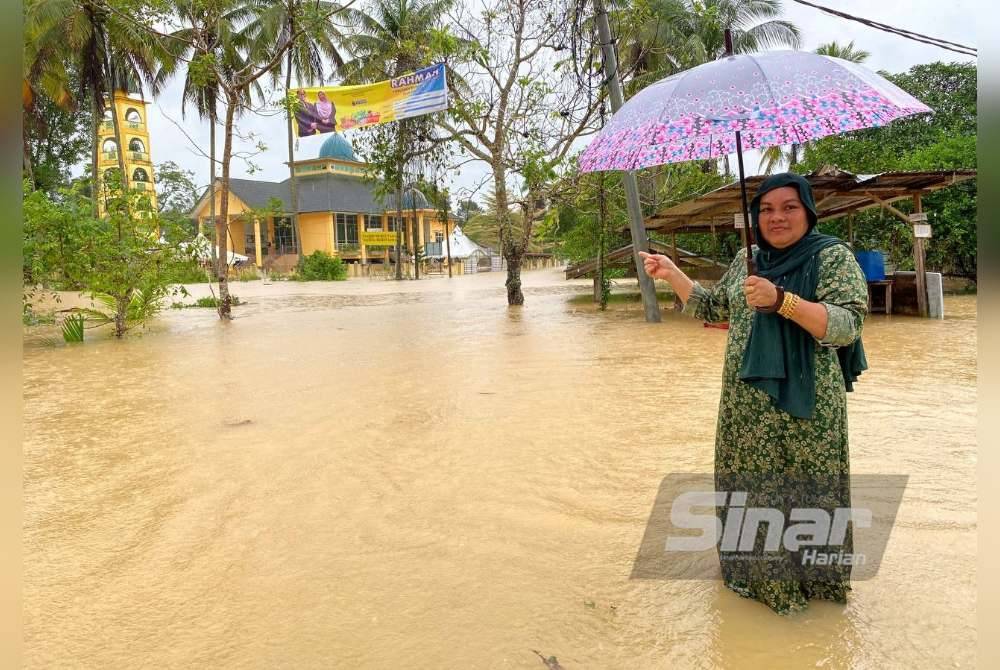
<point x="779" y="355"/>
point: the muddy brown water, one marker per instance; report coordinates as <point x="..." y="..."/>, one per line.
<point x="380" y="475"/>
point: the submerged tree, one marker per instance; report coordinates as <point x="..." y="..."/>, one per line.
<point x="521" y="114"/>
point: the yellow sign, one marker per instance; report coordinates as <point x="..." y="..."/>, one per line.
<point x="331" y="108"/>
<point x="378" y="239"/>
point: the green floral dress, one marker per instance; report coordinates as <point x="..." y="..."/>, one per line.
<point x="758" y="441"/>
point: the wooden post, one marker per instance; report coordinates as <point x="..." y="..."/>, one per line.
<point x="447" y="244"/>
<point x="675" y="257"/>
<point x="850" y="229"/>
<point x="918" y="263"/>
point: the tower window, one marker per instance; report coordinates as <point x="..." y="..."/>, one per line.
<point x="135" y="144"/>
<point x="109" y="147"/>
<point x="132" y="115"/>
<point x="140" y="175"/>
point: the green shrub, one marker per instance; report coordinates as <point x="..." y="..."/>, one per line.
<point x="207" y="301"/>
<point x="321" y="266"/>
<point x="188" y="273"/>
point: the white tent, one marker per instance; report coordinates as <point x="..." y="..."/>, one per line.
<point x="461" y="246"/>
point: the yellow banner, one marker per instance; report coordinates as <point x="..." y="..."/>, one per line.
<point x="329" y="109"/>
<point x="378" y="239"/>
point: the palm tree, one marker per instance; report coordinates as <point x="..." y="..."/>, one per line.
<point x="207" y="28"/>
<point x="776" y="155"/>
<point x="108" y="50"/>
<point x="846" y="52"/>
<point x="391" y="38"/>
<point x="306" y="59"/>
<point x="696" y="29"/>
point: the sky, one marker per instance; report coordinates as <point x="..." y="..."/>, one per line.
<point x="954" y="20"/>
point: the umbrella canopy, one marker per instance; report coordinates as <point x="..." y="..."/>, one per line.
<point x="772" y="98"/>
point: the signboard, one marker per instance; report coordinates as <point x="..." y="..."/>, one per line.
<point x="738" y="220"/>
<point x="918" y="217"/>
<point x="378" y="238"/>
<point x="921" y="230"/>
<point x="328" y="109"/>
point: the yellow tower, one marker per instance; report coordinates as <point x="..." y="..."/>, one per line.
<point x="132" y="122"/>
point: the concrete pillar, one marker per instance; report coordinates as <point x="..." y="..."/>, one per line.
<point x="361" y="232"/>
<point x="256" y="242"/>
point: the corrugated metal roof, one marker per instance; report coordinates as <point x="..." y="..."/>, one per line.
<point x="836" y="193"/>
<point x="321" y="193"/>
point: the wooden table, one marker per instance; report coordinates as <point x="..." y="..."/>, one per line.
<point x="886" y="284"/>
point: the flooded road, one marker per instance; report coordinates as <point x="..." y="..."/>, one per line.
<point x="373" y="474"/>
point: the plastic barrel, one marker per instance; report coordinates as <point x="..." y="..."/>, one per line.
<point x="872" y="264"/>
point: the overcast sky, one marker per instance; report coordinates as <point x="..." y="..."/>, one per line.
<point x="955" y="20"/>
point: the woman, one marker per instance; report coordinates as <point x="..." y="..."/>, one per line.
<point x="326" y="113"/>
<point x="782" y="426"/>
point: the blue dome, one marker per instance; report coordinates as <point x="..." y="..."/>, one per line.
<point x="335" y="146"/>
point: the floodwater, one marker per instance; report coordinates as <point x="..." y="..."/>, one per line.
<point x="375" y="474"/>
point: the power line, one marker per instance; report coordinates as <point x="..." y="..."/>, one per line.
<point x="902" y="32"/>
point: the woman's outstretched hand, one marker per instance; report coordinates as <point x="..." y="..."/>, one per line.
<point x="657" y="266"/>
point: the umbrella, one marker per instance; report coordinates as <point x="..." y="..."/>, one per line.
<point x="747" y="101"/>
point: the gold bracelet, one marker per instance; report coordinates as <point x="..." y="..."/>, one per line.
<point x="788" y="305"/>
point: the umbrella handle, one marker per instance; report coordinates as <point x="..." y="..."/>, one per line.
<point x="751" y="270"/>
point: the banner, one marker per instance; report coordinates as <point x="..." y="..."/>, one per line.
<point x="376" y="238"/>
<point x="329" y="109"/>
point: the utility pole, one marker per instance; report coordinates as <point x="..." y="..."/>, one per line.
<point x="636" y="226"/>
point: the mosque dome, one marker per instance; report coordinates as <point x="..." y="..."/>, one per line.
<point x="335" y="146"/>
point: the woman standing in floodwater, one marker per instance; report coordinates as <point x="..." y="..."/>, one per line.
<point x="783" y="410"/>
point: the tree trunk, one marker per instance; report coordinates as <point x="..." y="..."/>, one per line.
<point x="95" y="127"/>
<point x="414" y="233"/>
<point x="399" y="229"/>
<point x="447" y="242"/>
<point x="118" y="130"/>
<point x="26" y="159"/>
<point x="514" y="294"/>
<point x="222" y="227"/>
<point x="293" y="185"/>
<point x="508" y="247"/>
<point x="121" y="312"/>
<point x="211" y="156"/>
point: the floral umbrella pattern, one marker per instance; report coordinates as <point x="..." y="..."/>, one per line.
<point x="772" y="98"/>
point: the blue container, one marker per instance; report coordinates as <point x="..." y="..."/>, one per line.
<point x="872" y="264"/>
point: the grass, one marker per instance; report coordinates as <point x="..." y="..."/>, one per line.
<point x="207" y="301"/>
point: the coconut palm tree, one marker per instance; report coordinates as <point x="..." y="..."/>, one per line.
<point x="695" y="29"/>
<point x="307" y="60"/>
<point x="207" y="29"/>
<point x="846" y="51"/>
<point x="776" y="155"/>
<point x="390" y="38"/>
<point x="107" y="49"/>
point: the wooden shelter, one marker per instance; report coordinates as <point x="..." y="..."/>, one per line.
<point x="837" y="194"/>
<point x="692" y="264"/>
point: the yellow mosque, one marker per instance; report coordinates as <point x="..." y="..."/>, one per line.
<point x="131" y="112"/>
<point x="338" y="213"/>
